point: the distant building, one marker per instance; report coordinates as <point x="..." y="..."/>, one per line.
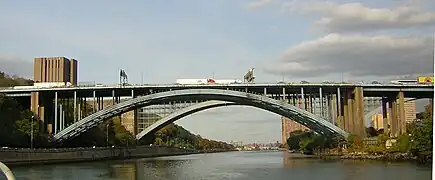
<point x="410" y="111"/>
<point x="55" y="69"/>
<point x="377" y="120"/>
<point x="289" y="126"/>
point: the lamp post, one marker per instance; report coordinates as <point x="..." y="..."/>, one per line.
<point x="107" y="134"/>
<point x="31" y="132"/>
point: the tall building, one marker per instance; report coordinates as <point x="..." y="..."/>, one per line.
<point x="55" y="69"/>
<point x="377" y="121"/>
<point x="410" y="111"/>
<point x="51" y="69"/>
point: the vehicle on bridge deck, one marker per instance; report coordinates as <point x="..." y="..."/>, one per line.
<point x="425" y="79"/>
<point x="194" y="81"/>
<point x="45" y="85"/>
<point x="228" y="81"/>
<point x="208" y="81"/>
<point x="404" y="81"/>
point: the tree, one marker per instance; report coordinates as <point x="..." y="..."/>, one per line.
<point x="175" y="135"/>
<point x="8" y="81"/>
<point x="371" y="132"/>
<point x="421" y="136"/>
<point x="14" y="123"/>
<point x="293" y="142"/>
<point x="122" y="136"/>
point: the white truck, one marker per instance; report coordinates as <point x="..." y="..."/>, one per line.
<point x="45" y="85"/>
<point x="52" y="84"/>
<point x="194" y="81"/>
<point x="208" y="81"/>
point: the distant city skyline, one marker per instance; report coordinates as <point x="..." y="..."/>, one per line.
<point x="159" y="42"/>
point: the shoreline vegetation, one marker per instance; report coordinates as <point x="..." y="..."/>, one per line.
<point x="389" y="157"/>
<point x="415" y="145"/>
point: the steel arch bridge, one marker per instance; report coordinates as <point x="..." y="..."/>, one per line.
<point x="312" y="121"/>
<point x="182" y="113"/>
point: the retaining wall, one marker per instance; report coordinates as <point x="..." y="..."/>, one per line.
<point x="37" y="156"/>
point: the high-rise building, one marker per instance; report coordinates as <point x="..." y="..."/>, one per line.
<point x="377" y="121"/>
<point x="51" y="69"/>
<point x="410" y="111"/>
<point x="55" y="69"/>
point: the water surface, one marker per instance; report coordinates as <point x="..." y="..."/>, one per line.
<point x="233" y="165"/>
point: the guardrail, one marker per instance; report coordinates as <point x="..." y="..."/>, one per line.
<point x="12" y="89"/>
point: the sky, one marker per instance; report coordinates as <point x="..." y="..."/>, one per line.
<point x="157" y="42"/>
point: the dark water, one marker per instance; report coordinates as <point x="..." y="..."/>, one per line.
<point x="234" y="165"/>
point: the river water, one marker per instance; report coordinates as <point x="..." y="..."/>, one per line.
<point x="232" y="165"/>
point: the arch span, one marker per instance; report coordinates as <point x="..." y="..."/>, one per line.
<point x="311" y="121"/>
<point x="182" y="113"/>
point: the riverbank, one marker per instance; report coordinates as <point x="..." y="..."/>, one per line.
<point x="390" y="156"/>
<point x="365" y="156"/>
<point x="21" y="157"/>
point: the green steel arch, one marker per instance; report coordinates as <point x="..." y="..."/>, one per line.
<point x="182" y="113"/>
<point x="312" y="121"/>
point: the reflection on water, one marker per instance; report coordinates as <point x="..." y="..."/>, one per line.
<point x="234" y="165"/>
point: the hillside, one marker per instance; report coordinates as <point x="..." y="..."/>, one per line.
<point x="9" y="81"/>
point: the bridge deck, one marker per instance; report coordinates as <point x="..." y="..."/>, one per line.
<point x="372" y="90"/>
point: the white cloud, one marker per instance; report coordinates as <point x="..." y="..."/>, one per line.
<point x="357" y="56"/>
<point x="355" y="17"/>
<point x="258" y="4"/>
<point x="14" y="65"/>
<point x="294" y="5"/>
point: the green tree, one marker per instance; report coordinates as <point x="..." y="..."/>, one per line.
<point x="10" y="81"/>
<point x="295" y="137"/>
<point x="122" y="137"/>
<point x="13" y="125"/>
<point x="421" y="136"/>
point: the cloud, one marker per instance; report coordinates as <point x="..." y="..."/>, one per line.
<point x="258" y="4"/>
<point x="13" y="65"/>
<point x="357" y="56"/>
<point x="294" y="5"/>
<point x="355" y="17"/>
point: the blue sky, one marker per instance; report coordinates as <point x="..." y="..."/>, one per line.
<point x="164" y="40"/>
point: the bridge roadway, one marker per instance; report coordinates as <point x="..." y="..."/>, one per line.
<point x="370" y="90"/>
